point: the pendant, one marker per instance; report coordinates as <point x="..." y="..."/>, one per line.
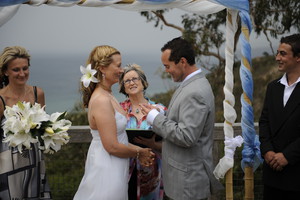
<point x="137" y="111"/>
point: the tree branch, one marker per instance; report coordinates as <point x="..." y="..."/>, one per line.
<point x="162" y="18"/>
<point x="270" y="43"/>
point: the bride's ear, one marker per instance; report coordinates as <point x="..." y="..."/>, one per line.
<point x="102" y="69"/>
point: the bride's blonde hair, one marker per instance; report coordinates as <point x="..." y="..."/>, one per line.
<point x="100" y="56"/>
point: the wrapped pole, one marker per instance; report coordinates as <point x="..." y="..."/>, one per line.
<point x="229" y="185"/>
<point x="249" y="183"/>
<point x="251" y="157"/>
<point x="226" y="163"/>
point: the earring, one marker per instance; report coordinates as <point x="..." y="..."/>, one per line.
<point x="103" y="76"/>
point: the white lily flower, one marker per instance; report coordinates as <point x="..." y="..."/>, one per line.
<point x="25" y="124"/>
<point x="62" y="124"/>
<point x="19" y="140"/>
<point x="88" y="75"/>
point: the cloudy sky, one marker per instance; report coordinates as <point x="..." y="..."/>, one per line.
<point x="78" y="29"/>
<point x="73" y="30"/>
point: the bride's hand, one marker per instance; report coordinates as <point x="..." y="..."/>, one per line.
<point x="145" y="156"/>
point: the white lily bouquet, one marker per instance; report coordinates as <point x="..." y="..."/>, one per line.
<point x="26" y="124"/>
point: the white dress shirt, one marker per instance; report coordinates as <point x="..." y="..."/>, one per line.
<point x="288" y="88"/>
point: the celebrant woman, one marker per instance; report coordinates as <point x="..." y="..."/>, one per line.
<point x="107" y="164"/>
<point x="22" y="175"/>
<point x="145" y="182"/>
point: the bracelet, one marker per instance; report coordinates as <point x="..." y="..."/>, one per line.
<point x="137" y="153"/>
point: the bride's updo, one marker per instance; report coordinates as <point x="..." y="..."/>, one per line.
<point x="99" y="57"/>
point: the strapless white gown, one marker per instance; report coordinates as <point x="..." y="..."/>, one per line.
<point x="105" y="176"/>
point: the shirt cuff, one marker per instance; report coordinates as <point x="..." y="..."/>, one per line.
<point x="160" y="109"/>
<point x="151" y="116"/>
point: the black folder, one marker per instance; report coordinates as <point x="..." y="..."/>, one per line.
<point x="132" y="133"/>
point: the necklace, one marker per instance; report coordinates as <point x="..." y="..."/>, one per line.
<point x="20" y="97"/>
<point x="137" y="111"/>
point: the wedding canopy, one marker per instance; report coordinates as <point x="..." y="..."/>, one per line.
<point x="8" y="8"/>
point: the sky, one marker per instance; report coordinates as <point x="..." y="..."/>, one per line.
<point x="76" y="30"/>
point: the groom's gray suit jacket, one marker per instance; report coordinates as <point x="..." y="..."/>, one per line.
<point x="187" y="131"/>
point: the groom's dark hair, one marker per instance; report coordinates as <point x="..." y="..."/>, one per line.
<point x="180" y="48"/>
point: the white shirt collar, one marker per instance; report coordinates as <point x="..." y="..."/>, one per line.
<point x="284" y="81"/>
<point x="192" y="74"/>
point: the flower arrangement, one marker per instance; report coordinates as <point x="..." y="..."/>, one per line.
<point x="88" y="75"/>
<point x="26" y="124"/>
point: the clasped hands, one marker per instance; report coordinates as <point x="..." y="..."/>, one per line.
<point x="276" y="161"/>
<point x="146" y="156"/>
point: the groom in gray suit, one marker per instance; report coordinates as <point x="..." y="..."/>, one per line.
<point x="187" y="128"/>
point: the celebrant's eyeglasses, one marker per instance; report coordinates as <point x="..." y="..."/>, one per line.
<point x="134" y="80"/>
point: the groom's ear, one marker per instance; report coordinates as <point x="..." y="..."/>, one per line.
<point x="183" y="61"/>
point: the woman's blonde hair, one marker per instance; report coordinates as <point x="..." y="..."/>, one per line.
<point x="100" y="56"/>
<point x="9" y="54"/>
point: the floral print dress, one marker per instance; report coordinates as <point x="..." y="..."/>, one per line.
<point x="149" y="184"/>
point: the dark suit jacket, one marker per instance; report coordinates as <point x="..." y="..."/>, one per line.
<point x="279" y="131"/>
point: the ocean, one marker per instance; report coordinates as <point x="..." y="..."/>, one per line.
<point x="59" y="77"/>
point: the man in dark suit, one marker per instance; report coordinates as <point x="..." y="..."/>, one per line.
<point x="279" y="126"/>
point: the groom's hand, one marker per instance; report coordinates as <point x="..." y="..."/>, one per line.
<point x="146" y="108"/>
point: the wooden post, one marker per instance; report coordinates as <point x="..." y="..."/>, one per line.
<point x="249" y="183"/>
<point x="229" y="185"/>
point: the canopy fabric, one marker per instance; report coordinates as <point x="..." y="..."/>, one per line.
<point x="8" y="8"/>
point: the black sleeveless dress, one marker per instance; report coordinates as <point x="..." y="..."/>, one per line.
<point x="22" y="175"/>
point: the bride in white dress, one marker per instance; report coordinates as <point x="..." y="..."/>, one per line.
<point x="107" y="164"/>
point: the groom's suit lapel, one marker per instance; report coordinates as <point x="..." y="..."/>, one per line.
<point x="174" y="96"/>
<point x="180" y="88"/>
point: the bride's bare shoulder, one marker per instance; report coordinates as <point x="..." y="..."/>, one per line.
<point x="99" y="99"/>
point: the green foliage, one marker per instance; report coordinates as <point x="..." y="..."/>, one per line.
<point x="78" y="115"/>
<point x="206" y="33"/>
<point x="163" y="98"/>
<point x="275" y="17"/>
<point x="65" y="169"/>
<point x="272" y="18"/>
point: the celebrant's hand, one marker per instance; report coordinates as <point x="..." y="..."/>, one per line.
<point x="145" y="156"/>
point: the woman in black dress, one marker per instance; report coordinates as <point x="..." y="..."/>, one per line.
<point x="22" y="175"/>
